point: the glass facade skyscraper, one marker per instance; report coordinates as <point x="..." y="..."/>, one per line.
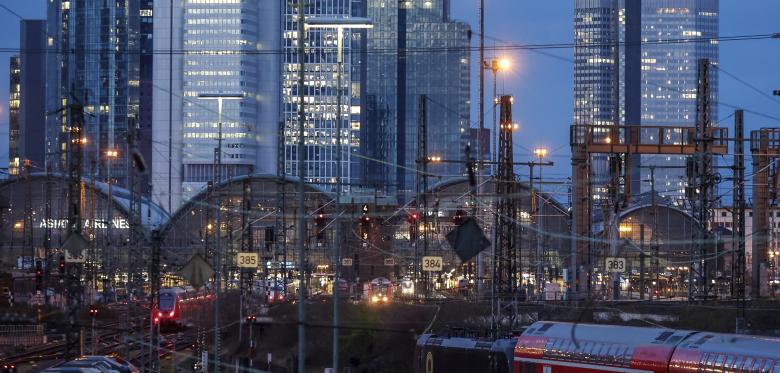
<point x="668" y="73"/>
<point x="95" y="51"/>
<point x="670" y="76"/>
<point x="414" y="50"/>
<point x="320" y="96"/>
<point x="221" y="43"/>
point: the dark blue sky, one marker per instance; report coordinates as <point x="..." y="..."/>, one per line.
<point x="542" y="84"/>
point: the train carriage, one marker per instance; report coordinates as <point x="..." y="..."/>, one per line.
<point x="557" y="347"/>
<point x="548" y="347"/>
<point x="726" y="353"/>
<point x="438" y="354"/>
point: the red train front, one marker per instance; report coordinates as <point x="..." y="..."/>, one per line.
<point x="168" y="308"/>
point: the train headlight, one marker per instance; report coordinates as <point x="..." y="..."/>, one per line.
<point x="384" y="299"/>
<point x="375" y="299"/>
<point x="159" y="314"/>
<point x="171" y="314"/>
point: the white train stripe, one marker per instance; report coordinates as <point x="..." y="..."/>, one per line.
<point x="580" y="365"/>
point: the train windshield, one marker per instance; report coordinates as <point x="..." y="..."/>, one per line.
<point x="380" y="289"/>
<point x="166" y="301"/>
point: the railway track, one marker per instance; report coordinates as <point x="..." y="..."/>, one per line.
<point x="54" y="350"/>
<point x="177" y="343"/>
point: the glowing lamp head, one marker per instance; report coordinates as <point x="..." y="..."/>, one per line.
<point x="504" y="64"/>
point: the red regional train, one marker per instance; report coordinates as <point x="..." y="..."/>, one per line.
<point x="177" y="305"/>
<point x="553" y="347"/>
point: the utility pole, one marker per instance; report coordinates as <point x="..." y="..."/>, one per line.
<point x="74" y="245"/>
<point x="701" y="189"/>
<point x="154" y="279"/>
<point x="136" y="234"/>
<point x="246" y="277"/>
<point x="539" y="276"/>
<point x="738" y="218"/>
<point x="612" y="216"/>
<point x="422" y="183"/>
<point x="28" y="224"/>
<point x="480" y="151"/>
<point x="642" y="263"/>
<point x="215" y="185"/>
<point x="47" y="234"/>
<point x="656" y="262"/>
<point x="217" y="176"/>
<point x="505" y="257"/>
<point x="279" y="246"/>
<point x="301" y="188"/>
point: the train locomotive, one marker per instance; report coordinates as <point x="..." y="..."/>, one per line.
<point x="555" y="347"/>
<point x="177" y="305"/>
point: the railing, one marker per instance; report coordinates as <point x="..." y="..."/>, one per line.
<point x="22" y="335"/>
<point x="644" y="139"/>
<point x="765" y="140"/>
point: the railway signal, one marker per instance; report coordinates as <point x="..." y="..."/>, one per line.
<point x="414" y="225"/>
<point x="365" y="227"/>
<point x="459" y="217"/>
<point x="320" y="220"/>
<point x="62" y="264"/>
<point x="38" y="275"/>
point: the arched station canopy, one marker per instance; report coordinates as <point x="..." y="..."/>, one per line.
<point x="25" y="220"/>
<point x="445" y="199"/>
<point x="257" y="214"/>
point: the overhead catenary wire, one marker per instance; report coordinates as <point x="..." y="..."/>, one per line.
<point x="392" y="51"/>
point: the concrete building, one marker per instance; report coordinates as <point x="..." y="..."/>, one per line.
<point x="223" y="44"/>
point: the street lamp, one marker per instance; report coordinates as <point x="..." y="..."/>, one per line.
<point x="495" y="65"/>
<point x="339" y="24"/>
<point x="540" y="153"/>
<point x="220" y="97"/>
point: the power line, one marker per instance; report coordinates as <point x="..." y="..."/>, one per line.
<point x="393" y="51"/>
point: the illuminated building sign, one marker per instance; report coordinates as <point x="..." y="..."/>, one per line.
<point x="116" y="223"/>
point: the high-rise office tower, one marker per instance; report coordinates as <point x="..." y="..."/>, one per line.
<point x="28" y="109"/>
<point x="222" y="44"/>
<point x="654" y="84"/>
<point x="94" y="56"/>
<point x="14" y="93"/>
<point x="320" y="73"/>
<point x="415" y="49"/>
